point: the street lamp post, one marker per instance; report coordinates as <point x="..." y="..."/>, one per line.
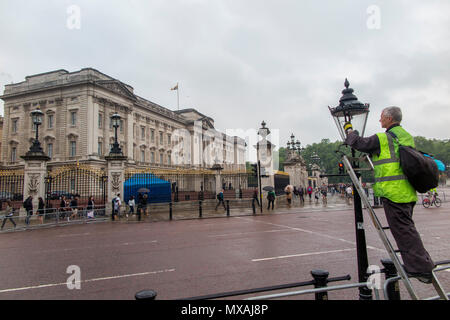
<point x="116" y="150"/>
<point x="351" y="110"/>
<point x="36" y="152"/>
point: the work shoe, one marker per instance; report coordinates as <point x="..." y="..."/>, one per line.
<point x="425" y="277"/>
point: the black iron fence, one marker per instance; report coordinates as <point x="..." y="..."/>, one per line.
<point x="75" y="181"/>
<point x="11" y="187"/>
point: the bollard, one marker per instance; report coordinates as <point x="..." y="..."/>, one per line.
<point x="145" y="295"/>
<point x="200" y="209"/>
<point x="320" y="281"/>
<point x="170" y="210"/>
<point x="393" y="290"/>
<point x="228" y="208"/>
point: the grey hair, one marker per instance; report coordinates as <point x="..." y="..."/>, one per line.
<point x="394" y="112"/>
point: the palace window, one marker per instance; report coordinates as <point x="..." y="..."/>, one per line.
<point x="152" y="135"/>
<point x="100" y="148"/>
<point x="100" y="121"/>
<point x="161" y="158"/>
<point x="50" y="150"/>
<point x="73" y="118"/>
<point x="50" y="119"/>
<point x="152" y="157"/>
<point x="14" y="125"/>
<point x="73" y="148"/>
<point x="161" y="138"/>
<point x="13" y="154"/>
<point x="142" y="132"/>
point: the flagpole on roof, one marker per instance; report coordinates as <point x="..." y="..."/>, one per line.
<point x="178" y="95"/>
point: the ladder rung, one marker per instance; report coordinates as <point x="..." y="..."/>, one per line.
<point x="385" y="228"/>
<point x="397" y="251"/>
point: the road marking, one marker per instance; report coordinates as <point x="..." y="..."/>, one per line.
<point x="303" y="254"/>
<point x="73" y="235"/>
<point x="89" y="280"/>
<point x="250" y="232"/>
<point x="312" y="232"/>
<point x="100" y="246"/>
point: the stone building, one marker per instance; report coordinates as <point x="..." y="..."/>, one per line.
<point x="77" y="134"/>
<point x="1" y="132"/>
<point x="77" y="126"/>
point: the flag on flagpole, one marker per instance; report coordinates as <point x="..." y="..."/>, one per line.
<point x="175" y="88"/>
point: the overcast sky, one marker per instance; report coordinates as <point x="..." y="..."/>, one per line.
<point x="241" y="62"/>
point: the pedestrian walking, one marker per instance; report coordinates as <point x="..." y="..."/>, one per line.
<point x="116" y="203"/>
<point x="300" y="194"/>
<point x="90" y="208"/>
<point x="309" y="190"/>
<point x="255" y="198"/>
<point x="220" y="198"/>
<point x="9" y="213"/>
<point x="74" y="208"/>
<point x="349" y="193"/>
<point x="289" y="198"/>
<point x="271" y="199"/>
<point x="316" y="195"/>
<point x="64" y="208"/>
<point x="131" y="205"/>
<point x="28" y="205"/>
<point x="396" y="192"/>
<point x="324" y="191"/>
<point x="145" y="205"/>
<point x="41" y="210"/>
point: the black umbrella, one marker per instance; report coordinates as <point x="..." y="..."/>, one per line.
<point x="268" y="188"/>
<point x="144" y="190"/>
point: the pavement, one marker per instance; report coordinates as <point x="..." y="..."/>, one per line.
<point x="191" y="257"/>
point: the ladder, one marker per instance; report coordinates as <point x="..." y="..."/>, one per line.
<point x="387" y="244"/>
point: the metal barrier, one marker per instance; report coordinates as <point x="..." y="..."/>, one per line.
<point x="207" y="208"/>
<point x="393" y="280"/>
<point x="50" y="217"/>
<point x="320" y="280"/>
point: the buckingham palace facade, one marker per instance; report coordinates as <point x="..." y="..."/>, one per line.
<point x="77" y="126"/>
<point x="77" y="129"/>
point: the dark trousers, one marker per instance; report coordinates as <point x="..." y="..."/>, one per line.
<point x="399" y="217"/>
<point x="27" y="219"/>
<point x="139" y="212"/>
<point x="221" y="202"/>
<point x="270" y="202"/>
<point x="257" y="201"/>
<point x="6" y="218"/>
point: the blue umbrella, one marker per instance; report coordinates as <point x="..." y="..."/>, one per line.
<point x="440" y="165"/>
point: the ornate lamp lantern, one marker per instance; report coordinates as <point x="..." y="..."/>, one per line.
<point x="350" y="110"/>
<point x="36" y="151"/>
<point x="116" y="150"/>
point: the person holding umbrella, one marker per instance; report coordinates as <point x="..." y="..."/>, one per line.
<point x="289" y="189"/>
<point x="270" y="196"/>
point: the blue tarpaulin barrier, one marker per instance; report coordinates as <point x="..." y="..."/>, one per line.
<point x="158" y="190"/>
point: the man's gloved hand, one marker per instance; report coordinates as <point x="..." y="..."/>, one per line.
<point x="347" y="126"/>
